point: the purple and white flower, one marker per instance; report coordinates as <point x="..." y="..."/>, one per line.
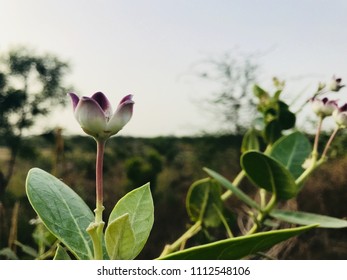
<point x="340" y="116"/>
<point x="96" y="117"/>
<point x="336" y="84"/>
<point x="324" y="107"/>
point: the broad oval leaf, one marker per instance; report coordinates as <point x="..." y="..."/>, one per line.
<point x="120" y="239"/>
<point x="292" y="150"/>
<point x="304" y="218"/>
<point x="236" y="191"/>
<point x="267" y="173"/>
<point x="238" y="247"/>
<point x="62" y="211"/>
<point x="204" y="202"/>
<point x="139" y="205"/>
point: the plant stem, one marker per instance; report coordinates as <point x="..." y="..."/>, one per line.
<point x="95" y="229"/>
<point x="194" y="229"/>
<point x="100" y="146"/>
<point x="263" y="214"/>
<point x="236" y="183"/>
<point x="223" y="220"/>
<point x="327" y="146"/>
<point x="262" y="194"/>
<point x="302" y="178"/>
<point x="316" y="139"/>
<point x="316" y="163"/>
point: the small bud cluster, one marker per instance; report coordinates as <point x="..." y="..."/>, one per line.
<point x="325" y="107"/>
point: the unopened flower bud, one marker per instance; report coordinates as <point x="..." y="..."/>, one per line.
<point x="324" y="107"/>
<point x="336" y="84"/>
<point x="307" y="163"/>
<point x="96" y="117"/>
<point x="340" y="116"/>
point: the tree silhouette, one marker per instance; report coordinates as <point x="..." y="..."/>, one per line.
<point x="30" y="85"/>
<point x="232" y="99"/>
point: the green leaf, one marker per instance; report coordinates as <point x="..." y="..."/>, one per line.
<point x="8" y="254"/>
<point x="250" y="141"/>
<point x="277" y="94"/>
<point x="120" y="239"/>
<point x="273" y="131"/>
<point x="139" y="205"/>
<point x="62" y="211"/>
<point x="236" y="191"/>
<point x="267" y="173"/>
<point x="61" y="254"/>
<point x="304" y="218"/>
<point x="204" y="202"/>
<point x="286" y="118"/>
<point x="260" y="93"/>
<point x="238" y="247"/>
<point x="291" y="151"/>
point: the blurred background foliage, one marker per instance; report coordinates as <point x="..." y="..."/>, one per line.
<point x="171" y="164"/>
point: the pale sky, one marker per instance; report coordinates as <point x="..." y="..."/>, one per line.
<point x="148" y="48"/>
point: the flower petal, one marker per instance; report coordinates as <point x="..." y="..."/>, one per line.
<point x="126" y="99"/>
<point x="122" y="115"/>
<point x="104" y="103"/>
<point x="90" y="116"/>
<point x="75" y="99"/>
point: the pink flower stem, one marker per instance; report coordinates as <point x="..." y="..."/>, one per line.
<point x="96" y="229"/>
<point x="324" y="155"/>
<point x="99" y="180"/>
<point x="315" y="164"/>
<point x="316" y="139"/>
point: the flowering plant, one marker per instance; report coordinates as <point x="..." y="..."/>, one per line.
<point x="276" y="159"/>
<point x="70" y="219"/>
